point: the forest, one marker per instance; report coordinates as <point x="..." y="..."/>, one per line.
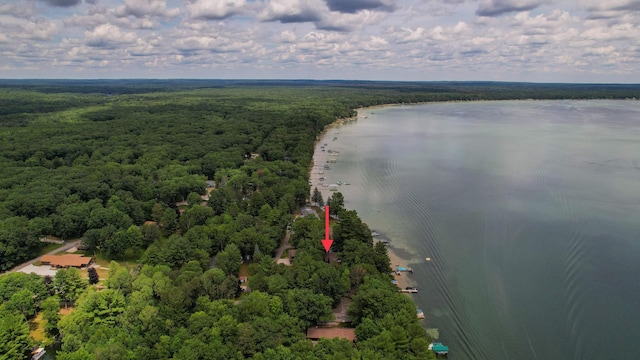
<point x="125" y="165"/>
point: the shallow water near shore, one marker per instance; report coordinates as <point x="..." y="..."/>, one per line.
<point x="529" y="211"/>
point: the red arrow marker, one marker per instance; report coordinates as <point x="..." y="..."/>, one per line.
<point x="327" y="230"/>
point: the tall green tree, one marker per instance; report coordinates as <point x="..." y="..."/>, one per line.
<point x="51" y="314"/>
<point x="92" y="273"/>
<point x="23" y="302"/>
<point x="69" y="284"/>
<point x="316" y="197"/>
<point x="229" y="260"/>
<point x="336" y="203"/>
<point x="15" y="342"/>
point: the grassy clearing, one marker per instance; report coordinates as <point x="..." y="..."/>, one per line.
<point x="103" y="274"/>
<point x="37" y="330"/>
<point x="104" y="262"/>
<point x="48" y="248"/>
<point x="244" y="269"/>
<point x="64" y="312"/>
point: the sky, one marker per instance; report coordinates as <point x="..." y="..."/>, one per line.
<point x="409" y="40"/>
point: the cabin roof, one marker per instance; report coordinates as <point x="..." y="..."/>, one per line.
<point x="66" y="260"/>
<point x="315" y="333"/>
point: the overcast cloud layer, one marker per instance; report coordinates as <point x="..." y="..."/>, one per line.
<point x="506" y="40"/>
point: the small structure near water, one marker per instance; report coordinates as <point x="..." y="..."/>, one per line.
<point x="439" y="349"/>
<point x="400" y="269"/>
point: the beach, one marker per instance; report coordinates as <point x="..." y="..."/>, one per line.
<point x="404" y="278"/>
<point x="318" y="171"/>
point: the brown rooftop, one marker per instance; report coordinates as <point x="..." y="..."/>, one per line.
<point x="66" y="260"/>
<point x="315" y="333"/>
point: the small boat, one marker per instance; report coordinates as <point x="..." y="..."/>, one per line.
<point x="420" y="314"/>
<point x="38" y="353"/>
<point x="439" y="349"/>
<point x="401" y="269"/>
<point x="347" y="183"/>
<point x="339" y="182"/>
<point x="375" y="233"/>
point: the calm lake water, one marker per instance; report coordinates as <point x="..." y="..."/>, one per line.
<point x="529" y="210"/>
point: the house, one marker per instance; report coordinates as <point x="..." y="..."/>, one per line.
<point x="243" y="283"/>
<point x="66" y="260"/>
<point x="316" y="333"/>
<point x="331" y="258"/>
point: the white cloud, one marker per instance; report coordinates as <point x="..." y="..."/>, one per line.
<point x="286" y="36"/>
<point x="108" y="36"/>
<point x="348" y="22"/>
<point x="399" y="39"/>
<point x="293" y="11"/>
<point x="215" y="9"/>
<point x="22" y="10"/>
<point x="144" y="8"/>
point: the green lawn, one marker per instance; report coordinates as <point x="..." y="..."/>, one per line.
<point x="48" y="247"/>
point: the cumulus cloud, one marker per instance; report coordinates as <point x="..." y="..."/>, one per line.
<point x="292" y="11"/>
<point x="216" y="44"/>
<point x="108" y="36"/>
<point x="318" y="13"/>
<point x="23" y="10"/>
<point x="41" y="30"/>
<point x="286" y="36"/>
<point x="145" y="8"/>
<point x="344" y="22"/>
<point x="611" y="9"/>
<point x="295" y="38"/>
<point x="353" y="6"/>
<point x="19" y="29"/>
<point x="215" y="9"/>
<point x="500" y="7"/>
<point x="62" y="3"/>
<point x="629" y="5"/>
<point x="406" y="35"/>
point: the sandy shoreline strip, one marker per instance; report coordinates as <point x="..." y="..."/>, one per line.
<point x="322" y="158"/>
<point x="404" y="277"/>
<point x="316" y="171"/>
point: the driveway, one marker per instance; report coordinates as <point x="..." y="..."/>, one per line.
<point x="64" y="247"/>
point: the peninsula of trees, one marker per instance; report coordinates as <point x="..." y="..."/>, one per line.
<point x="164" y="176"/>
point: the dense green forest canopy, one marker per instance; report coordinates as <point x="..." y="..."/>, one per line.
<point x="125" y="165"/>
<point x="75" y="153"/>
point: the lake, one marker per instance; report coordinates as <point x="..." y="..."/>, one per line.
<point x="529" y="211"/>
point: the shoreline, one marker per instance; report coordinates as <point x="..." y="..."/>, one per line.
<point x="315" y="173"/>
